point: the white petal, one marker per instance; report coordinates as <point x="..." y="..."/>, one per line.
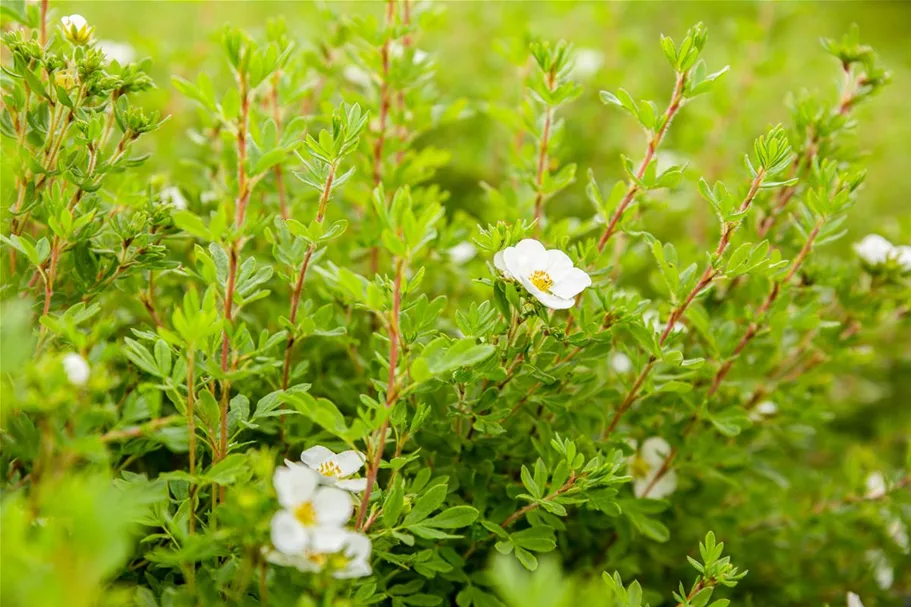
<point x="77" y="21"/>
<point x="558" y="262"/>
<point x="500" y="263"/>
<point x="294" y="484"/>
<point x="876" y="485"/>
<point x="314" y="456"/>
<point x="551" y="301"/>
<point x="76" y="369"/>
<point x="662" y="488"/>
<point x="355" y="485"/>
<point x="326" y="540"/>
<point x="621" y="363"/>
<point x="570" y="283"/>
<point x="353" y="570"/>
<point x="854" y="600"/>
<point x="899" y="533"/>
<point x="654" y="450"/>
<point x="874" y="249"/>
<point x="349" y="461"/>
<point x="288" y="536"/>
<point x="357" y="546"/>
<point x="463" y="253"/>
<point x="903" y="256"/>
<point x="333" y="507"/>
<point x="120" y="52"/>
<point x="524" y="258"/>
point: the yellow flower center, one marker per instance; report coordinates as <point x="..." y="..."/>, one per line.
<point x="329" y="468"/>
<point x="338" y="560"/>
<point x="317" y="558"/>
<point x="542" y="280"/>
<point x="305" y="514"/>
<point x="639" y="468"/>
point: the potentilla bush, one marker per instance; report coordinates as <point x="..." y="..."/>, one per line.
<point x="286" y="372"/>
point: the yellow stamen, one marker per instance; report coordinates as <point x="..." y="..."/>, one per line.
<point x="542" y="280"/>
<point x="329" y="468"/>
<point x="639" y="468"/>
<point x="317" y="558"/>
<point x="305" y="514"/>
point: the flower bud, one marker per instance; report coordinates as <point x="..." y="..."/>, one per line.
<point x="76" y="29"/>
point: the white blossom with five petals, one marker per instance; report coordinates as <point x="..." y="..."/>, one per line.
<point x="309" y="512"/>
<point x="547" y="274"/>
<point x="335" y="468"/>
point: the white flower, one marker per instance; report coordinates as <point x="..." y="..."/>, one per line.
<point x="644" y="467"/>
<point x="334" y="468"/>
<point x="854" y="600"/>
<point x="345" y="553"/>
<point x="874" y="249"/>
<point x="174" y="197"/>
<point x="76" y="29"/>
<point x="462" y="253"/>
<point x="208" y="196"/>
<point x="621" y="363"/>
<point x="763" y="410"/>
<point x="309" y="512"/>
<point x="121" y="52"/>
<point x="883" y="572"/>
<point x="357" y="75"/>
<point x="903" y="257"/>
<point x="548" y="275"/>
<point x="77" y="370"/>
<point x="586" y="63"/>
<point x="876" y="485"/>
<point x="898" y="532"/>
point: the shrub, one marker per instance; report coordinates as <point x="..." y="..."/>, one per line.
<point x="291" y="366"/>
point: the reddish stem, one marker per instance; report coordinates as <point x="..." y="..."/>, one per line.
<point x="654" y="142"/>
<point x="707" y="277"/>
<point x="391" y="391"/>
<point x="302" y="274"/>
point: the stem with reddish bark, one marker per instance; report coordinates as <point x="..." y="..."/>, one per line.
<point x="654" y="142"/>
<point x="240" y="210"/>
<point x="848" y="99"/>
<point x="748" y="336"/>
<point x="302" y="274"/>
<point x="391" y="390"/>
<point x="677" y="313"/>
<point x="43" y="27"/>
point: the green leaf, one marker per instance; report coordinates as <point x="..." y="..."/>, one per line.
<point x="453" y="518"/>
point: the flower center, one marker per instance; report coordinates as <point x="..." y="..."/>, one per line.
<point x="317" y="558"/>
<point x="338" y="560"/>
<point x="639" y="468"/>
<point x="305" y="514"/>
<point x="542" y="280"/>
<point x="329" y="468"/>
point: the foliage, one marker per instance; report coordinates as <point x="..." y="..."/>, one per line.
<point x="498" y="421"/>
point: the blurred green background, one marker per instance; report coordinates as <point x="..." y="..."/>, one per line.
<point x="771" y="47"/>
